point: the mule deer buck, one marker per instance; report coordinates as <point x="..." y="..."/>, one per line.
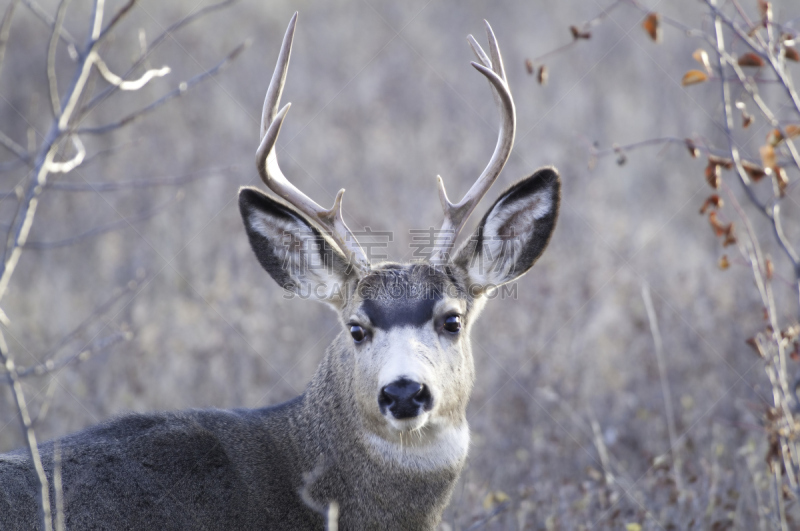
<point x="380" y="432"/>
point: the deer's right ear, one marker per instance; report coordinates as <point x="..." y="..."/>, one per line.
<point x="294" y="252"/>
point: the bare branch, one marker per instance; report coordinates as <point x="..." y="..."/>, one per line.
<point x="63" y="34"/>
<point x="102" y="96"/>
<point x="114" y="79"/>
<point x="182" y="88"/>
<point x="119" y="15"/>
<point x="97" y="18"/>
<point x="97" y="231"/>
<point x="28" y="431"/>
<point x="765" y="52"/>
<point x="74" y="162"/>
<point x="665" y="390"/>
<point x="98" y="155"/>
<point x="81" y="355"/>
<point x="58" y="487"/>
<point x="93" y="317"/>
<point x="139" y="183"/>
<point x="55" y="101"/>
<point x="5" y="29"/>
<point x="23" y="219"/>
<point x="15" y="148"/>
<point x="722" y="58"/>
<point x="501" y="508"/>
<point x="76" y="90"/>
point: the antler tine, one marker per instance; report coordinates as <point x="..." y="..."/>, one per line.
<point x="329" y="220"/>
<point x="456" y="214"/>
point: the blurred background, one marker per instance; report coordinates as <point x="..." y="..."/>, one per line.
<point x="384" y="99"/>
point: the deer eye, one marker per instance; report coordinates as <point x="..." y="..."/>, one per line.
<point x="452" y="324"/>
<point x="358" y="333"/>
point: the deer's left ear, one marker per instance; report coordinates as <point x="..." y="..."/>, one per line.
<point x="513" y="233"/>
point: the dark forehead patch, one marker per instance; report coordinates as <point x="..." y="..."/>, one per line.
<point x="404" y="295"/>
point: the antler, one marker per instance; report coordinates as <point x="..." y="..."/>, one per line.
<point x="329" y="220"/>
<point x="455" y="215"/>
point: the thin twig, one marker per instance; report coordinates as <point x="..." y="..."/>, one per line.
<point x="585" y="26"/>
<point x="501" y="508"/>
<point x="58" y="487"/>
<point x="52" y="80"/>
<point x="135" y="84"/>
<point x="5" y="29"/>
<point x="92" y="318"/>
<point x="15" y="148"/>
<point x="81" y="355"/>
<point x="179" y="91"/>
<point x="119" y="15"/>
<point x="665" y="390"/>
<point x="30" y="434"/>
<point x="103" y="95"/>
<point x="97" y="231"/>
<point x="139" y="183"/>
<point x="63" y="34"/>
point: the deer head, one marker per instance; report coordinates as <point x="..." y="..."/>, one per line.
<point x="404" y="348"/>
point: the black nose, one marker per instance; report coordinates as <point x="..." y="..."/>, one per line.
<point x="405" y="398"/>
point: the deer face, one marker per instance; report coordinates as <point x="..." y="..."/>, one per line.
<point x="413" y="369"/>
<point x="406" y="327"/>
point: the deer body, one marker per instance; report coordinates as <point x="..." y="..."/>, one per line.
<point x="272" y="468"/>
<point x="379" y="437"/>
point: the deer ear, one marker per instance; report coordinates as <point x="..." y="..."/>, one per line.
<point x="296" y="254"/>
<point x="513" y="233"/>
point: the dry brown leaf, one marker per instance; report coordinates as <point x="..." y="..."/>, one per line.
<point x="693" y="151"/>
<point x="542" y="75"/>
<point x="713" y="201"/>
<point x="792" y="130"/>
<point x="764" y="8"/>
<point x="781" y="178"/>
<point x="791" y="333"/>
<point x="692" y="77"/>
<point x="723" y="262"/>
<point x="652" y="25"/>
<point x="754" y="344"/>
<point x="768" y="157"/>
<point x="769" y="269"/>
<point x="529" y="66"/>
<point x="701" y="56"/>
<point x="726" y="164"/>
<point x="577" y="34"/>
<point x="774" y="137"/>
<point x="747" y="119"/>
<point x="750" y="59"/>
<point x="716" y="224"/>
<point x="754" y="171"/>
<point x="713" y="173"/>
<point x="792" y="54"/>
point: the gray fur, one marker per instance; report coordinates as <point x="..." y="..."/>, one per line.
<point x="281" y="467"/>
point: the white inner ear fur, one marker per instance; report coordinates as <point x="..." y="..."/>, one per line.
<point x="500" y="251"/>
<point x="298" y="248"/>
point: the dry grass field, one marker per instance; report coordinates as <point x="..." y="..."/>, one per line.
<point x="568" y="413"/>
